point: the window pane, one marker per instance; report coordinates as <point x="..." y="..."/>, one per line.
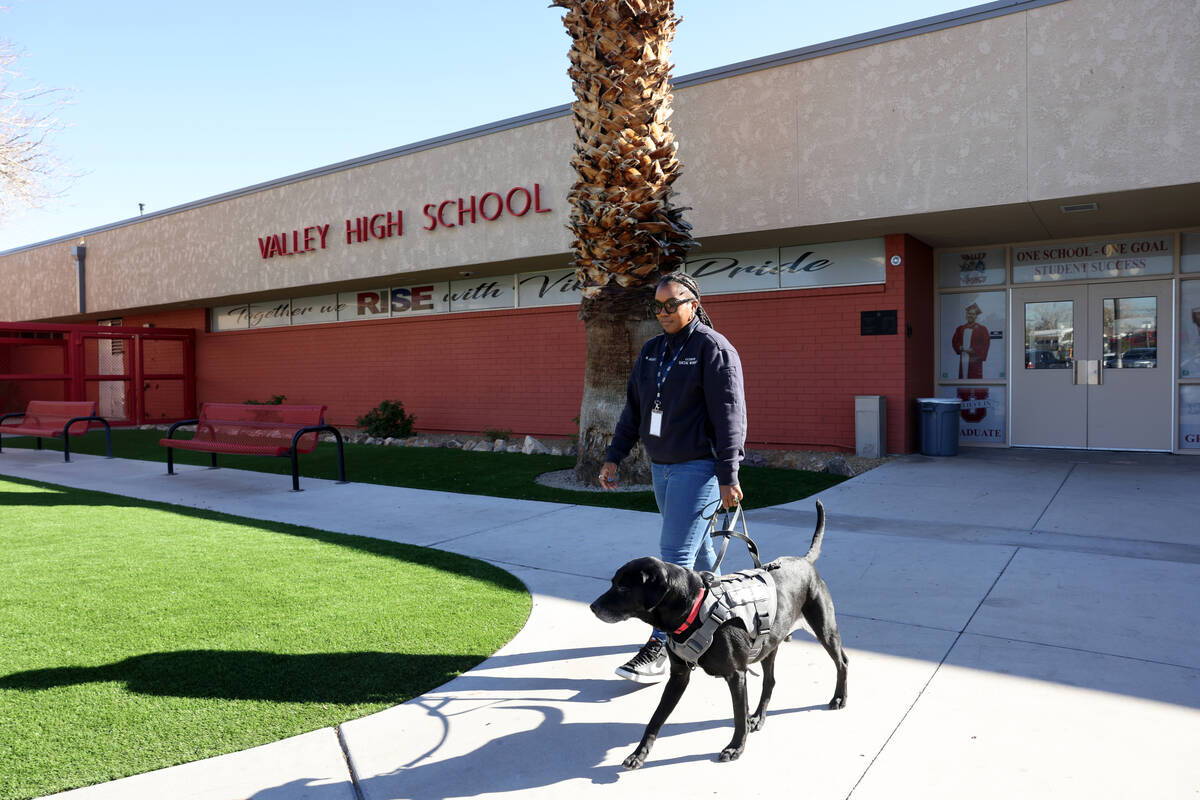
<point x="1131" y="333"/>
<point x="1049" y="335"/>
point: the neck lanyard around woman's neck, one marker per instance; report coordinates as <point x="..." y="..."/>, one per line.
<point x="664" y="369"/>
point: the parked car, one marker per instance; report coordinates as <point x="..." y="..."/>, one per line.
<point x="1045" y="359"/>
<point x="1140" y="357"/>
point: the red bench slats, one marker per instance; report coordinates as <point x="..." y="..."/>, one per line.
<point x="49" y="418"/>
<point x="262" y="430"/>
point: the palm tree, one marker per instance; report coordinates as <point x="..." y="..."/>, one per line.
<point x="627" y="232"/>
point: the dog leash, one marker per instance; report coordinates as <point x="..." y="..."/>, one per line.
<point x="729" y="531"/>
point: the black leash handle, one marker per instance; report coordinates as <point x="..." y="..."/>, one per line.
<point x="728" y="531"/>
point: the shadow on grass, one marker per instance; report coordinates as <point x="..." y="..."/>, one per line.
<point x="342" y="678"/>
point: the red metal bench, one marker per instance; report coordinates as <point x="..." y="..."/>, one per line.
<point x="56" y="418"/>
<point x="256" y="430"/>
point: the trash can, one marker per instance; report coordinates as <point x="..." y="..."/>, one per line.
<point x="939" y="425"/>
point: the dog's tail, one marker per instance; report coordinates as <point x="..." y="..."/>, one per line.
<point x="814" y="552"/>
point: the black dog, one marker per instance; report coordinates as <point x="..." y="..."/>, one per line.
<point x="665" y="595"/>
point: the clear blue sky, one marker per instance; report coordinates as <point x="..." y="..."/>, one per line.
<point x="174" y="102"/>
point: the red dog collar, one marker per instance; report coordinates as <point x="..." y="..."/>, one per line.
<point x="695" y="610"/>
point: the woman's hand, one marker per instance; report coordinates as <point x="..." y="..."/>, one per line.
<point x="731" y="495"/>
<point x="608" y="476"/>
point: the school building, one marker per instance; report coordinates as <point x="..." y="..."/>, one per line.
<point x="999" y="205"/>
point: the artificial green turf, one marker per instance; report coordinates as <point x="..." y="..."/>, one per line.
<point x="443" y="469"/>
<point x="137" y="635"/>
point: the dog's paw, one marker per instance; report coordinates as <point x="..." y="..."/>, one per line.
<point x="634" y="761"/>
<point x="838" y="701"/>
<point x="731" y="753"/>
<point x="755" y="723"/>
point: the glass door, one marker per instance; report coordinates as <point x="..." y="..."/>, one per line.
<point x="1094" y="372"/>
<point x="1048" y="404"/>
<point x="1130" y="406"/>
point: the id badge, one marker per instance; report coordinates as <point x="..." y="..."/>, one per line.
<point x="656" y="422"/>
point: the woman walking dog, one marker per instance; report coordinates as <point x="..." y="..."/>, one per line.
<point x="685" y="402"/>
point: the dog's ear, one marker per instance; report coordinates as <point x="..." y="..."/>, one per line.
<point x="654" y="586"/>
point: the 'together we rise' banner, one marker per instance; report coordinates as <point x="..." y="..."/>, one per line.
<point x="803" y="266"/>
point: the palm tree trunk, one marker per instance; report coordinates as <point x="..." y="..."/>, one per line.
<point x="616" y="330"/>
<point x="627" y="231"/>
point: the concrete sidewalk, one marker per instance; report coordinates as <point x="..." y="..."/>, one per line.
<point x="1019" y="623"/>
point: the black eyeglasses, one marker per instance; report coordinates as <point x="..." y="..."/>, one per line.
<point x="670" y="306"/>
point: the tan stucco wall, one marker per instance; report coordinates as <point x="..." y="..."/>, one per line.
<point x="1114" y="96"/>
<point x="1071" y="98"/>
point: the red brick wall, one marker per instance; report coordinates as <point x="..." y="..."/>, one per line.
<point x="520" y="370"/>
<point x="804" y="357"/>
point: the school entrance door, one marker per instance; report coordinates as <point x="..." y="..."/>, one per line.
<point x="1091" y="370"/>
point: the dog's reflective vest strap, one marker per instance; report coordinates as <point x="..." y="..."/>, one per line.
<point x="713" y="614"/>
<point x="748" y="595"/>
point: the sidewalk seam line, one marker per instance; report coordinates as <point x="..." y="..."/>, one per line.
<point x="1062" y="483"/>
<point x="933" y="674"/>
<point x="493" y="529"/>
<point x="358" y="792"/>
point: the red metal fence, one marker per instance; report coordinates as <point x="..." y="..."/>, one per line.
<point x="136" y="376"/>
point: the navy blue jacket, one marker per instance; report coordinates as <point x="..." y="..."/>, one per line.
<point x="703" y="402"/>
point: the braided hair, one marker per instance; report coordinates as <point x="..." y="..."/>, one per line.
<point x="689" y="283"/>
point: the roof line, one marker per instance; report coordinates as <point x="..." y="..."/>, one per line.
<point x="904" y="30"/>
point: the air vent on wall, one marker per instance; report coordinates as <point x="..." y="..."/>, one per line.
<point x="1078" y="208"/>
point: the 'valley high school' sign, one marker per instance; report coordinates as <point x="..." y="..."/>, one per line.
<point x="454" y="213"/>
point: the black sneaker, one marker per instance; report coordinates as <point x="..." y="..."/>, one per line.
<point x="649" y="665"/>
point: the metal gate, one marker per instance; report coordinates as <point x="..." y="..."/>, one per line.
<point x="137" y="376"/>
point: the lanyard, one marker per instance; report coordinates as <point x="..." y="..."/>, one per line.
<point x="665" y="369"/>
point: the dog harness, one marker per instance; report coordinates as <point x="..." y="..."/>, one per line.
<point x="748" y="595"/>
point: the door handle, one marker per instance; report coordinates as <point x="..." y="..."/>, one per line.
<point x="1088" y="372"/>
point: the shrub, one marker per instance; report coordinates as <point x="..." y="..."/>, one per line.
<point x="492" y="434"/>
<point x="387" y="420"/>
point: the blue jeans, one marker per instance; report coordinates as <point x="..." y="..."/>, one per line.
<point x="682" y="491"/>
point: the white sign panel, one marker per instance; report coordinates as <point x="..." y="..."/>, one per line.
<point x="478" y="294"/>
<point x="971" y="268"/>
<point x="271" y="315"/>
<point x="972" y="340"/>
<point x="1070" y="261"/>
<point x="231" y="318"/>
<point x="307" y="310"/>
<point x="833" y="264"/>
<point x="1189" y="417"/>
<point x="1189" y="330"/>
<point x="746" y="271"/>
<point x="982" y="418"/>
<point x="367" y="304"/>
<point x="421" y="298"/>
<point x="556" y="287"/>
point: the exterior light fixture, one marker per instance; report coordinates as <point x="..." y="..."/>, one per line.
<point x="1078" y="208"/>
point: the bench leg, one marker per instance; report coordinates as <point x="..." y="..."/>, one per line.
<point x="170" y="460"/>
<point x="66" y="448"/>
<point x="39" y="442"/>
<point x="295" y="472"/>
<point x="214" y="460"/>
<point x="341" y="457"/>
